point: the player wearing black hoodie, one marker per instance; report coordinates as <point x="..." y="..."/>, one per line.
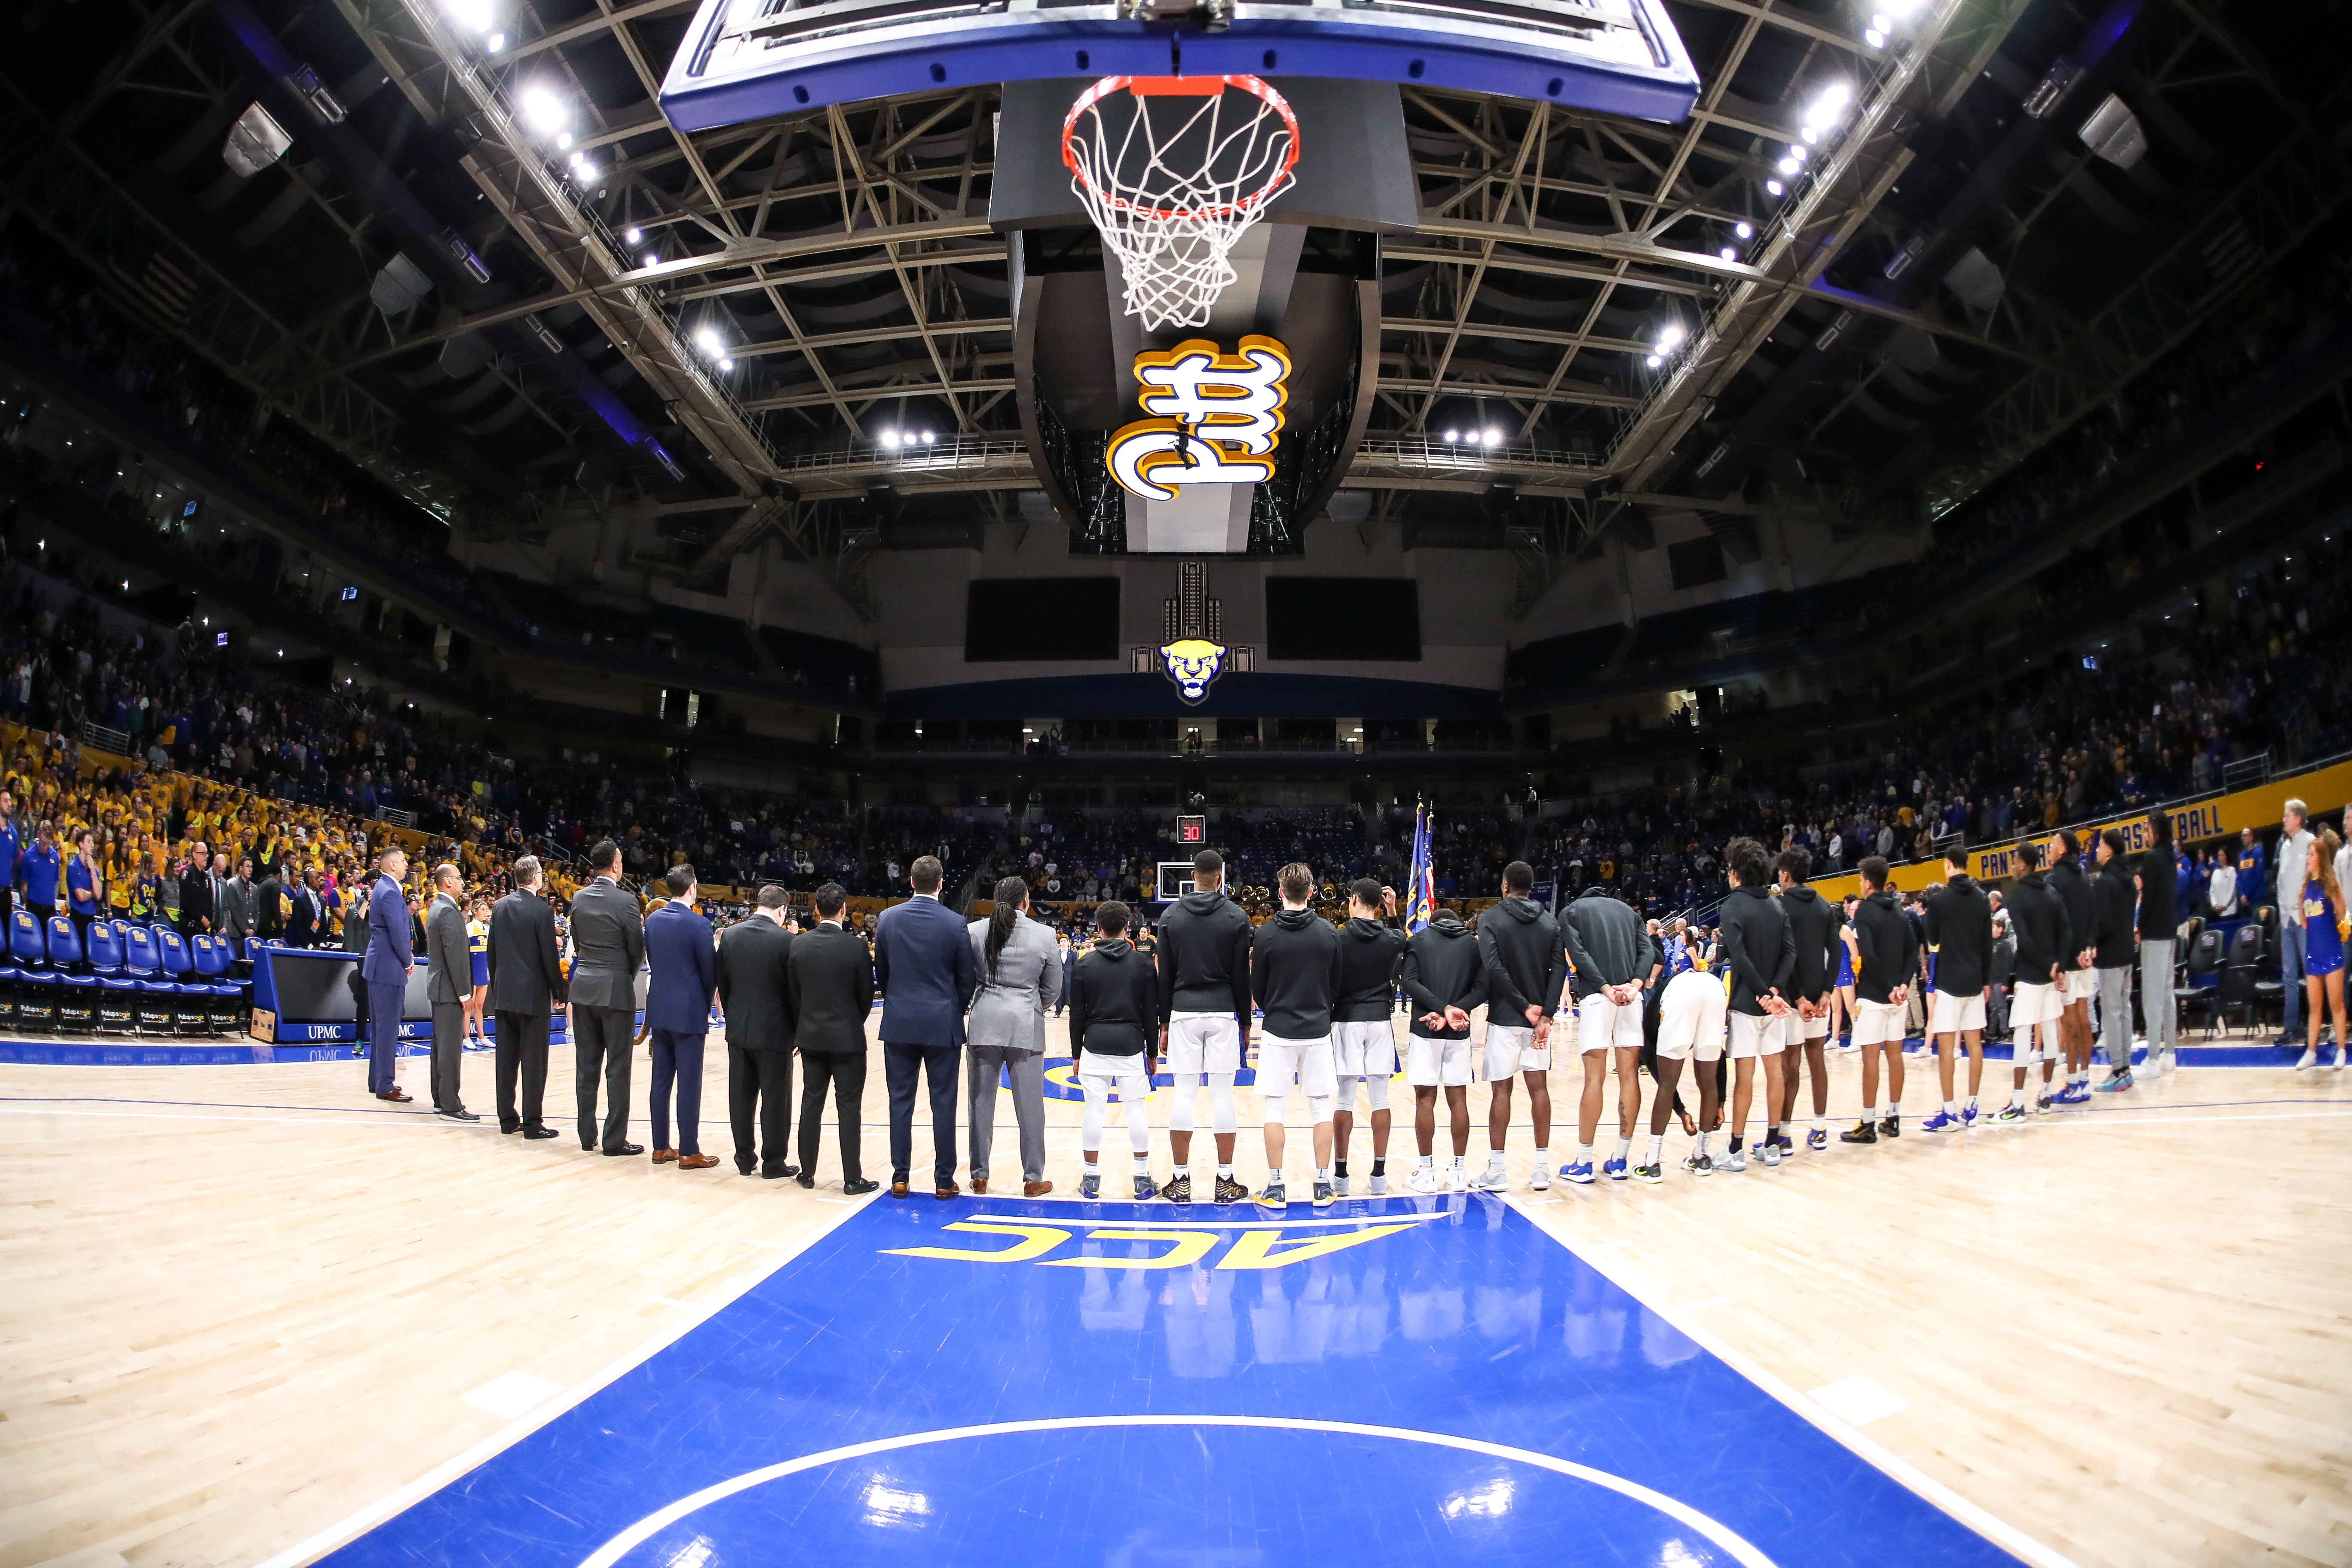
<point x="1204" y="1019"/>
<point x="1525" y="967"/>
<point x="1363" y="1037"/>
<point x="1294" y="974"/>
<point x="1446" y="978"/>
<point x="1114" y="1017"/>
<point x="1959" y="935"/>
<point x="1812" y="928"/>
<point x="1760" y="954"/>
<point x="2045" y="936"/>
<point x="2078" y="969"/>
<point x="1887" y="958"/>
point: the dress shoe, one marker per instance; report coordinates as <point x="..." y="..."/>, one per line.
<point x="538" y="1132"/>
<point x="456" y="1113"/>
<point x="1035" y="1189"/>
<point x="626" y="1149"/>
<point x="395" y="1094"/>
<point x="857" y="1189"/>
<point x="947" y="1190"/>
<point x="780" y="1173"/>
<point x="664" y="1156"/>
<point x="898" y="1189"/>
<point x="808" y="1179"/>
<point x="744" y="1167"/>
<point x="696" y="1162"/>
<point x="510" y="1132"/>
<point x="979" y="1186"/>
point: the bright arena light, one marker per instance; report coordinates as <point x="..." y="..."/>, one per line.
<point x="928" y="437"/>
<point x="633" y="234"/>
<point x="1492" y="438"/>
<point x="1655" y="361"/>
<point x="1744" y="230"/>
<point x="1728" y="253"/>
<point x="1452" y="437"/>
<point x="1773" y="188"/>
<point x="726" y="364"/>
<point x="1669" y="336"/>
<point x="890" y="439"/>
<point x="544" y="109"/>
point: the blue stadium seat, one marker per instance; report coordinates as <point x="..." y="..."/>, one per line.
<point x="118" y="993"/>
<point x="157" y="993"/>
<point x="35" y="984"/>
<point x="225" y="1000"/>
<point x="77" y="989"/>
<point x="191" y="993"/>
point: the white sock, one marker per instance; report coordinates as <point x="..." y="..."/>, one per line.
<point x="1143" y="1164"/>
<point x="1657" y="1148"/>
<point x="1460" y="1163"/>
<point x="1972" y="1102"/>
<point x="1870" y="1113"/>
<point x="2017" y="1098"/>
<point x="1624" y="1147"/>
<point x="1584" y="1153"/>
<point x="1951" y="1108"/>
<point x="1820" y="1123"/>
<point x="1703" y="1139"/>
<point x="1543" y="1156"/>
<point x="1225" y="1172"/>
<point x="1322" y="1172"/>
<point x="1429" y="1161"/>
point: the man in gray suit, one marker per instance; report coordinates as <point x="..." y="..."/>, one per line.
<point x="448" y="982"/>
<point x="237" y="908"/>
<point x="526" y="984"/>
<point x="608" y="942"/>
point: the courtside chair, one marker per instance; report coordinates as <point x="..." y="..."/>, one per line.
<point x="143" y="961"/>
<point x="2268" y="993"/>
<point x="2204" y="958"/>
<point x="77" y="990"/>
<point x="37" y="982"/>
<point x="191" y="996"/>
<point x="2241" y="972"/>
<point x="118" y="993"/>
<point x="223" y="998"/>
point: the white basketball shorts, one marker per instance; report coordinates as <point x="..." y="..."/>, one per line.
<point x="1309" y="1061"/>
<point x="1511" y="1051"/>
<point x="1430" y="1062"/>
<point x="2082" y="985"/>
<point x="2034" y="1005"/>
<point x="1606" y="1026"/>
<point x="1948" y="1015"/>
<point x="1203" y="1042"/>
<point x="1690" y="1017"/>
<point x="1879" y="1022"/>
<point x="1366" y="1049"/>
<point x="1758" y="1035"/>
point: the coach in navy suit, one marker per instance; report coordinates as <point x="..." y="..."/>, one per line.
<point x="923" y="966"/>
<point x="390" y="956"/>
<point x="684" y="972"/>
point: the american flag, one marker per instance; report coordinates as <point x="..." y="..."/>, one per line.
<point x="1421" y="899"/>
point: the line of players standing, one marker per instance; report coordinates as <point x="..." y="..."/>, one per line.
<point x="1325" y="994"/>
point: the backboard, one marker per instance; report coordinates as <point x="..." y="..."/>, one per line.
<point x="747" y="60"/>
<point x="1175" y="880"/>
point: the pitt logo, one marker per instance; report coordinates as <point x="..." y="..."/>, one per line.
<point x="1193" y="664"/>
<point x="1218" y="419"/>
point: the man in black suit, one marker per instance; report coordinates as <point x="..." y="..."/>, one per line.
<point x="831" y="991"/>
<point x="302" y="923"/>
<point x="268" y="905"/>
<point x="526" y="986"/>
<point x="752" y="992"/>
<point x="608" y="942"/>
<point x="199" y="891"/>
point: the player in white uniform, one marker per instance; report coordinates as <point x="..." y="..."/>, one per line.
<point x="1204" y="1003"/>
<point x="1525" y="967"/>
<point x="1690" y="1028"/>
<point x="1363" y="1035"/>
<point x="1294" y="975"/>
<point x="1611" y="955"/>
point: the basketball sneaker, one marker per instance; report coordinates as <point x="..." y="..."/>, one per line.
<point x="1615" y="1169"/>
<point x="1579" y="1171"/>
<point x="1893" y="1126"/>
<point x="2115" y="1082"/>
<point x="1493" y="1179"/>
<point x="1323" y="1196"/>
<point x="1967" y="1117"/>
<point x="2074" y="1094"/>
<point x="1178" y="1188"/>
<point x="1860" y="1132"/>
<point x="1090" y="1184"/>
<point x="1696" y="1163"/>
<point x="1735" y="1161"/>
<point x="2308" y="1061"/>
<point x="1787" y="1144"/>
<point x="1273" y="1197"/>
<point x="1819" y="1138"/>
<point x="1340" y="1186"/>
<point x="1377" y="1186"/>
<point x="2008" y="1116"/>
<point x="1423" y="1180"/>
<point x="1144" y="1190"/>
<point x="1770" y="1153"/>
<point x="2042" y="1103"/>
<point x="1942" y="1121"/>
<point x="1229" y="1191"/>
<point x="2339" y="1059"/>
<point x="1649" y="1173"/>
<point x="1458" y="1179"/>
<point x="1540" y="1177"/>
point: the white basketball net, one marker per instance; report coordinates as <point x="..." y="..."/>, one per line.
<point x="1174" y="184"/>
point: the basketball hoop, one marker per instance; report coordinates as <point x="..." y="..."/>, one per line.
<point x="1175" y="181"/>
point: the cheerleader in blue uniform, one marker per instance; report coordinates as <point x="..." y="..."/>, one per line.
<point x="1841" y="993"/>
<point x="2323" y="945"/>
<point x="477" y="939"/>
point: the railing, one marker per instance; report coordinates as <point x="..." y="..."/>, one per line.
<point x="395" y="816"/>
<point x="1427" y="455"/>
<point x="94" y="733"/>
<point x="2245" y="773"/>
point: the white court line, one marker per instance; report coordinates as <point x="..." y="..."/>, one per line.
<point x="1982" y="1520"/>
<point x="1723" y="1535"/>
<point x="1217" y="1224"/>
<point x="362" y="1519"/>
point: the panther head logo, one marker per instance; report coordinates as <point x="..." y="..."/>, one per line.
<point x="1193" y="664"/>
